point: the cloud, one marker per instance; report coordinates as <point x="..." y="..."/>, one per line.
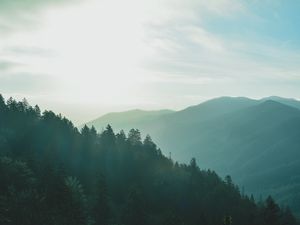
<point x="28" y="51"/>
<point x="25" y="83"/>
<point x="202" y="38"/>
<point x="197" y="46"/>
<point x="18" y="15"/>
<point x="9" y="6"/>
<point x="7" y="65"/>
<point x="215" y="7"/>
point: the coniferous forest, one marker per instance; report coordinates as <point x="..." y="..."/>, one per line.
<point x="53" y="174"/>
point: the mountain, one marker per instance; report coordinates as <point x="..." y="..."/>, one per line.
<point x="53" y="174"/>
<point x="287" y="101"/>
<point x="127" y="120"/>
<point x="256" y="141"/>
<point x="259" y="146"/>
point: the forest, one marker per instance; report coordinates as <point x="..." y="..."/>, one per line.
<point x="54" y="174"/>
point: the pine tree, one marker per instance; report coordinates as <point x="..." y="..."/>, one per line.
<point x="134" y="137"/>
<point x="193" y="164"/>
<point x="2" y="103"/>
<point x="287" y="217"/>
<point x="75" y="203"/>
<point x="85" y="131"/>
<point x="271" y="212"/>
<point x="37" y="111"/>
<point x="252" y="198"/>
<point x="101" y="209"/>
<point x="148" y="142"/>
<point x="228" y="181"/>
<point x="121" y="139"/>
<point x="108" y="139"/>
<point x="134" y="212"/>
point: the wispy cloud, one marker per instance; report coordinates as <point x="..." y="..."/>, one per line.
<point x="28" y="50"/>
<point x="7" y="65"/>
<point x="193" y="44"/>
<point x="25" y="84"/>
<point x="8" y="6"/>
<point x="21" y="15"/>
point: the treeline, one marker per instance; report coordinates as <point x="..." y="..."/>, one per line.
<point x="53" y="174"/>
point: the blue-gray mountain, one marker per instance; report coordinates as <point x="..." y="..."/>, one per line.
<point x="256" y="141"/>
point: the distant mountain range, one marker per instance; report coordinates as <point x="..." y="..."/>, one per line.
<point x="128" y="119"/>
<point x="255" y="141"/>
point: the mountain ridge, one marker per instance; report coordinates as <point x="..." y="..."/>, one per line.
<point x="238" y="136"/>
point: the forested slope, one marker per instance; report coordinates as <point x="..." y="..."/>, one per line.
<point x="52" y="174"/>
<point x="255" y="141"/>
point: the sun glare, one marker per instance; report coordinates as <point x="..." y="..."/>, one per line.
<point x="97" y="50"/>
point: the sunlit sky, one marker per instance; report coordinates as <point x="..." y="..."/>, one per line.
<point x="84" y="58"/>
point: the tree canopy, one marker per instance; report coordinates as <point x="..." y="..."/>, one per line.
<point x="53" y="174"/>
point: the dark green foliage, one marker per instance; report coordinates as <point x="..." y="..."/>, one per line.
<point x="101" y="208"/>
<point x="255" y="141"/>
<point x="134" y="137"/>
<point x="227" y="220"/>
<point x="134" y="209"/>
<point x="271" y="212"/>
<point x="49" y="175"/>
<point x="287" y="218"/>
<point x="75" y="202"/>
<point x="172" y="218"/>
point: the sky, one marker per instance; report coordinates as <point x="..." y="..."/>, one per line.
<point x="84" y="58"/>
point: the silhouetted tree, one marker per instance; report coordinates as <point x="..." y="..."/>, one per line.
<point x="101" y="207"/>
<point x="134" y="137"/>
<point x="287" y="217"/>
<point x="271" y="212"/>
<point x="134" y="212"/>
<point x="48" y="175"/>
<point x="193" y="164"/>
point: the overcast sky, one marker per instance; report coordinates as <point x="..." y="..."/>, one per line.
<point x="84" y="58"/>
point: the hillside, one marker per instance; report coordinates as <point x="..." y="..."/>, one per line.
<point x="259" y="146"/>
<point x="287" y="101"/>
<point x="127" y="120"/>
<point x="256" y="141"/>
<point x="52" y="174"/>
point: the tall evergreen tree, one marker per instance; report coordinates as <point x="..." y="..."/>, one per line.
<point x="134" y="212"/>
<point x="134" y="137"/>
<point x="271" y="212"/>
<point x="101" y="207"/>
